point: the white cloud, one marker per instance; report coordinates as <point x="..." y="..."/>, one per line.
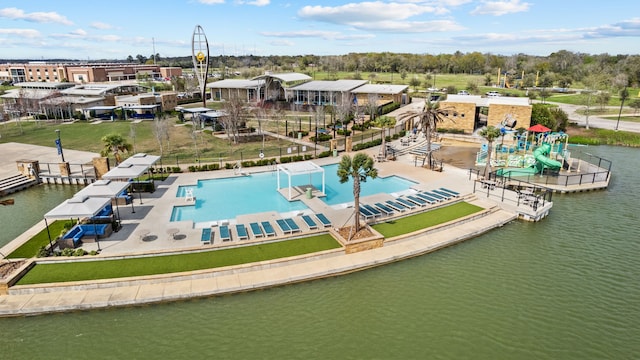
<point x="624" y="28"/>
<point x="38" y="17"/>
<point x="286" y="43"/>
<point x="25" y="33"/>
<point x="327" y="35"/>
<point x="254" y="2"/>
<point x="211" y="2"/>
<point x="101" y="25"/>
<point x="364" y="12"/>
<point x="499" y="8"/>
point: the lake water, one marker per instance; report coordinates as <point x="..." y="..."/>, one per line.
<point x="565" y="288"/>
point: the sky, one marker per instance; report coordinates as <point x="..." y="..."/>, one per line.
<point x="63" y="29"/>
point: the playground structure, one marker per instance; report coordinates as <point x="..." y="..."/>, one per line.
<point x="529" y="152"/>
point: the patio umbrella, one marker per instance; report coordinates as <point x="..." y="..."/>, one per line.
<point x="539" y="128"/>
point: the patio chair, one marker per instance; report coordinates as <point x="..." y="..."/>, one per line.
<point x="225" y="234"/>
<point x="292" y="225"/>
<point x="256" y="230"/>
<point x="434" y="195"/>
<point x="241" y="230"/>
<point x="323" y="219"/>
<point x="408" y="204"/>
<point x="268" y="229"/>
<point x="366" y="214"/>
<point x="205" y="238"/>
<point x="428" y="198"/>
<point x="454" y="193"/>
<point x="443" y="194"/>
<point x="396" y="206"/>
<point x="286" y="229"/>
<point x="416" y="200"/>
<point x="309" y="221"/>
<point x="384" y="208"/>
<point x="373" y="210"/>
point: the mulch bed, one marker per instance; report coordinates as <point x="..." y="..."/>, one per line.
<point x="8" y="268"/>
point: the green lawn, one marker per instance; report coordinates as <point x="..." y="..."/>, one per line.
<point x="30" y="248"/>
<point x="108" y="269"/>
<point x="424" y="220"/>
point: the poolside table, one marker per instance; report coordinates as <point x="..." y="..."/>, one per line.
<point x="172" y="232"/>
<point x="143" y="233"/>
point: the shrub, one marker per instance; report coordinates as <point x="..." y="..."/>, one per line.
<point x="285" y="159"/>
<point x="344" y="132"/>
<point x="79" y="252"/>
<point x="42" y="252"/>
<point x="324" y="154"/>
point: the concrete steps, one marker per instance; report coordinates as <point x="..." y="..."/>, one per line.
<point x="15" y="183"/>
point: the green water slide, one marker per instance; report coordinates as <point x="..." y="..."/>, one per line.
<point x="541" y="154"/>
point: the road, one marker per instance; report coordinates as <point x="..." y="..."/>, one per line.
<point x="595" y="121"/>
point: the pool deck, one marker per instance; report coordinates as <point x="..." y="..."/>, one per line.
<point x="146" y="230"/>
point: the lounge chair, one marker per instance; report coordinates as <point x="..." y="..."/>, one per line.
<point x="323" y="219"/>
<point x="371" y="209"/>
<point x="426" y="197"/>
<point x="205" y="238"/>
<point x="396" y="206"/>
<point x="384" y="208"/>
<point x="241" y="230"/>
<point x="292" y="225"/>
<point x="286" y="229"/>
<point x="416" y="200"/>
<point x="256" y="230"/>
<point x="434" y="195"/>
<point x="225" y="234"/>
<point x="406" y="203"/>
<point x="443" y="193"/>
<point x="366" y="214"/>
<point x="454" y="193"/>
<point x="268" y="229"/>
<point x="309" y="221"/>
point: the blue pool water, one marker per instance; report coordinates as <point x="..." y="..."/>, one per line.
<point x="218" y="199"/>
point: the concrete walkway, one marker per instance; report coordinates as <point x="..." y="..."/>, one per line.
<point x="243" y="278"/>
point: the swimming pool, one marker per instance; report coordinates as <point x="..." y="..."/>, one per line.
<point x="223" y="199"/>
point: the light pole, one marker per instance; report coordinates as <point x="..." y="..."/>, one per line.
<point x="59" y="145"/>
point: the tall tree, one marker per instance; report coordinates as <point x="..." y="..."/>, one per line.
<point x="489" y="133"/>
<point x="358" y="168"/>
<point x="384" y="122"/>
<point x="115" y="144"/>
<point x="428" y="119"/>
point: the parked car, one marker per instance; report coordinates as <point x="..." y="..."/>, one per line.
<point x="463" y="92"/>
<point x="493" y="93"/>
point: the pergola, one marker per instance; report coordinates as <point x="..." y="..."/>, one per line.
<point x="77" y="207"/>
<point x="300" y="168"/>
<point x="126" y="171"/>
<point x="105" y="189"/>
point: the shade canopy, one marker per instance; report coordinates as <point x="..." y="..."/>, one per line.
<point x="125" y="171"/>
<point x="539" y="128"/>
<point x="78" y="207"/>
<point x="103" y="188"/>
<point x="299" y="168"/>
<point x="142" y="159"/>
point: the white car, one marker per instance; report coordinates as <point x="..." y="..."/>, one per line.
<point x="493" y="93"/>
<point x="463" y="92"/>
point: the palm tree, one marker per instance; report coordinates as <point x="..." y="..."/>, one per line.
<point x="429" y="117"/>
<point x="384" y="122"/>
<point x="489" y="133"/>
<point x="359" y="169"/>
<point x="115" y="144"/>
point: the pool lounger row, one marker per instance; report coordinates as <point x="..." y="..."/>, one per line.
<point x="287" y="226"/>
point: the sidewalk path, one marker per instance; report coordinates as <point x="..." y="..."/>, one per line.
<point x="164" y="288"/>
